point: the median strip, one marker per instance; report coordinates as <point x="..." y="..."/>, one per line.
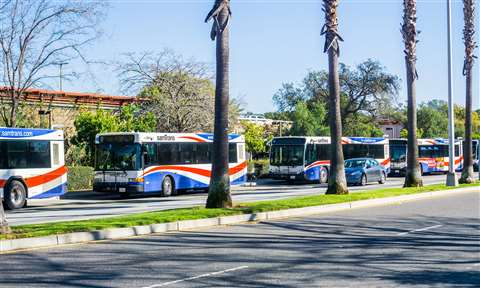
<point x="50" y="234"/>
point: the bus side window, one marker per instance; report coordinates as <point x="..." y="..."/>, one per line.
<point x="241" y="152"/>
<point x="3" y="157"/>
<point x="232" y="155"/>
<point x="56" y="154"/>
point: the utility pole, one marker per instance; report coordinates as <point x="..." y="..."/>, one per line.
<point x="60" y="73"/>
<point x="451" y="176"/>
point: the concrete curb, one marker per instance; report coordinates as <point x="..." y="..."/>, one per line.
<point x="119" y="233"/>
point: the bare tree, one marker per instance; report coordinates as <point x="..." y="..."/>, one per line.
<point x="219" y="191"/>
<point x="4" y="228"/>
<point x="470" y="45"/>
<point x="179" y="92"/>
<point x="337" y="183"/>
<point x="413" y="176"/>
<point x="36" y="35"/>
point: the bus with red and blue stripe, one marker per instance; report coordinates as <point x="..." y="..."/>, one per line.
<point x="32" y="165"/>
<point x="301" y="158"/>
<point x="164" y="163"/>
<point x="433" y="155"/>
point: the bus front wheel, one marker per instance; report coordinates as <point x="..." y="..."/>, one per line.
<point x="323" y="175"/>
<point x="167" y="187"/>
<point x="15" y="196"/>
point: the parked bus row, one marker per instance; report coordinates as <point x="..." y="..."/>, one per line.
<point x="32" y="161"/>
<point x="307" y="158"/>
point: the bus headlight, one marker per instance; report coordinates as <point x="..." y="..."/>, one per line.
<point x="98" y="178"/>
<point x="136" y="180"/>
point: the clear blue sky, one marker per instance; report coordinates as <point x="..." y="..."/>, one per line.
<point x="276" y="41"/>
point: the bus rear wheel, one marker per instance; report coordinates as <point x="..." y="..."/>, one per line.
<point x="15" y="196"/>
<point x="168" y="187"/>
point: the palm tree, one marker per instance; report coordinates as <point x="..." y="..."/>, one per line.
<point x="470" y="45"/>
<point x="337" y="184"/>
<point x="413" y="176"/>
<point x="4" y="228"/>
<point x="219" y="191"/>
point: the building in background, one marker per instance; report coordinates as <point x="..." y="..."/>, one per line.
<point x="275" y="127"/>
<point x="58" y="109"/>
<point x="391" y="128"/>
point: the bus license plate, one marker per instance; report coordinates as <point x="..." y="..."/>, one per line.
<point x="122" y="189"/>
<point x="292" y="177"/>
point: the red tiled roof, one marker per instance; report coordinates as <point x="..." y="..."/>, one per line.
<point x="76" y="98"/>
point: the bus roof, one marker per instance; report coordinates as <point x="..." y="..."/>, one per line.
<point x="142" y="137"/>
<point x="30" y="134"/>
<point x="326" y="140"/>
<point x="437" y="141"/>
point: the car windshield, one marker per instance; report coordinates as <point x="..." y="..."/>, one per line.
<point x="117" y="157"/>
<point x="287" y="155"/>
<point x="355" y="163"/>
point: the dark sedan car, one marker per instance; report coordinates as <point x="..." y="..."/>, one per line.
<point x="360" y="171"/>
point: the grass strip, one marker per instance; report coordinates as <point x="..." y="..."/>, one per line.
<point x="156" y="217"/>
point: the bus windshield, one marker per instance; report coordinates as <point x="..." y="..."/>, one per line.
<point x="118" y="157"/>
<point x="398" y="153"/>
<point x="287" y="155"/>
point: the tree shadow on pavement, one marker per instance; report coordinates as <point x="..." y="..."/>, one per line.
<point x="325" y="251"/>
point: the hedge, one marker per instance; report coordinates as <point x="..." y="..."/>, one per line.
<point x="260" y="167"/>
<point x="80" y="178"/>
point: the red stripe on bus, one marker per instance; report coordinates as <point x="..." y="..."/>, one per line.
<point x="41" y="179"/>
<point x="198" y="171"/>
<point x="238" y="168"/>
<point x="193" y="138"/>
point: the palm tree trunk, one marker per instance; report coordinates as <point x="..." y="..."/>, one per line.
<point x="4" y="228"/>
<point x="337" y="183"/>
<point x="413" y="176"/>
<point x="468" y="38"/>
<point x="219" y="191"/>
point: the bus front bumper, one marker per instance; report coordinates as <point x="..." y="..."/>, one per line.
<point x="292" y="177"/>
<point x="118" y="187"/>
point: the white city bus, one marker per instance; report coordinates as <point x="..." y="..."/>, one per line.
<point x="32" y="165"/>
<point x="161" y="162"/>
<point x="308" y="158"/>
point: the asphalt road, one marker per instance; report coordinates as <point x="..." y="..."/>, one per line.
<point x="89" y="205"/>
<point x="426" y="243"/>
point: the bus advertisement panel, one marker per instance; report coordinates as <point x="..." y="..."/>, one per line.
<point x="161" y="162"/>
<point x="307" y="158"/>
<point x="32" y="165"/>
<point x="433" y="155"/>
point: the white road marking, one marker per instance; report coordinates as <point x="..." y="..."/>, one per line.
<point x="418" y="230"/>
<point x="197" y="277"/>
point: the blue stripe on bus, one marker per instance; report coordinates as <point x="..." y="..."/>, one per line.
<point x="366" y="139"/>
<point x="153" y="182"/>
<point x="57" y="191"/>
<point x="23" y="133"/>
<point x="209" y="137"/>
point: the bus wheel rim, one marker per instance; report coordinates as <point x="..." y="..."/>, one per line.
<point x="16" y="195"/>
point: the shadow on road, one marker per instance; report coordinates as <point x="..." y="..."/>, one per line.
<point x="327" y="252"/>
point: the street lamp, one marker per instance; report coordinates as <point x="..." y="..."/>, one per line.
<point x="451" y="176"/>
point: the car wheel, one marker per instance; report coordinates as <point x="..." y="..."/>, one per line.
<point x="363" y="180"/>
<point x="323" y="175"/>
<point x="167" y="187"/>
<point x="15" y="195"/>
<point x="383" y="178"/>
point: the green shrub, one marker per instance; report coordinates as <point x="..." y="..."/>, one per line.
<point x="80" y="178"/>
<point x="259" y="167"/>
